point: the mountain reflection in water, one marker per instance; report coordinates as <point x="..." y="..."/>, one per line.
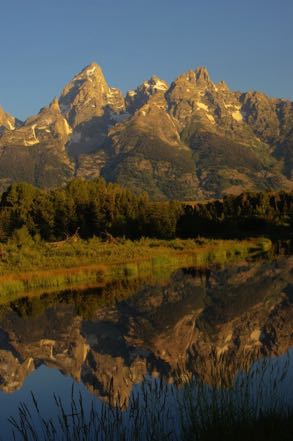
<point x="209" y="323"/>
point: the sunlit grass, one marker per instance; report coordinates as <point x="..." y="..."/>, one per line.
<point x="43" y="265"/>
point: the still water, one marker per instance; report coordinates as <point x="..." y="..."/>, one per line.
<point x="217" y="325"/>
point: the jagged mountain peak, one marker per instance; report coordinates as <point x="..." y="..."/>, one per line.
<point x="222" y="86"/>
<point x="87" y="96"/>
<point x="34" y="151"/>
<point x="48" y="113"/>
<point x="90" y="81"/>
<point x="150" y="86"/>
<point x="47" y="124"/>
<point x="157" y="83"/>
<point x="92" y="73"/>
<point x="54" y="105"/>
<point x="135" y="99"/>
<point x="195" y="138"/>
<point x="7" y="121"/>
<point x="92" y="69"/>
<point x="201" y="74"/>
<point x="190" y="85"/>
<point x="197" y="77"/>
<point x="3" y="115"/>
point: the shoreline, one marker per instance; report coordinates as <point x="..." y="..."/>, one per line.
<point x="94" y="261"/>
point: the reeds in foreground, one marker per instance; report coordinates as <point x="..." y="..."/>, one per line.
<point x="255" y="408"/>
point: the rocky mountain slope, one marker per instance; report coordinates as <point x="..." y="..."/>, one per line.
<point x="191" y="139"/>
<point x="7" y="121"/>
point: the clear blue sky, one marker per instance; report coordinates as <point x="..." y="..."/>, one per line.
<point x="248" y="43"/>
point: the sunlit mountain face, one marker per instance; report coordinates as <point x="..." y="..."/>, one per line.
<point x="186" y="140"/>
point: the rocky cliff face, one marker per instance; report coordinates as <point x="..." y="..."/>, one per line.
<point x="91" y="107"/>
<point x="191" y="139"/>
<point x="186" y="324"/>
<point x="35" y="152"/>
<point x="138" y="97"/>
<point x="8" y="122"/>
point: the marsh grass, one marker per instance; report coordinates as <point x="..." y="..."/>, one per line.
<point x="86" y="298"/>
<point x="252" y="408"/>
<point x="42" y="266"/>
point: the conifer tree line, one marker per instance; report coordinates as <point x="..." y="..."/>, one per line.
<point x="96" y="207"/>
<point x="246" y="214"/>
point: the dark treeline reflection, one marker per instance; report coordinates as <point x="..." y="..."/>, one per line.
<point x="96" y="207"/>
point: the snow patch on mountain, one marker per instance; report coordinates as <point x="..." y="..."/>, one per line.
<point x="68" y="129"/>
<point x="211" y="118"/>
<point x="30" y="142"/>
<point x="34" y="140"/>
<point x="91" y="71"/>
<point x="45" y="128"/>
<point x="202" y="106"/>
<point x="34" y="130"/>
<point x="10" y="125"/>
<point x="237" y="115"/>
<point x="160" y="85"/>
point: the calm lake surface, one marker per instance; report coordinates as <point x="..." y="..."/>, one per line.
<point x="215" y="325"/>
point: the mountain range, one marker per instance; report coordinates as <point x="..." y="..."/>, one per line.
<point x="191" y="139"/>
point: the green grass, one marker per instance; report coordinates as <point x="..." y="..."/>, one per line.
<point x="41" y="265"/>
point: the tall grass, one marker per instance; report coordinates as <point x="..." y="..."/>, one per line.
<point x="252" y="409"/>
<point x="43" y="266"/>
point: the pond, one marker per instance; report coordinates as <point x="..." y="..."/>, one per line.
<point x="163" y="342"/>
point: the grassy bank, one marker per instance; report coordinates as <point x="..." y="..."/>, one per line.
<point x="41" y="265"/>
